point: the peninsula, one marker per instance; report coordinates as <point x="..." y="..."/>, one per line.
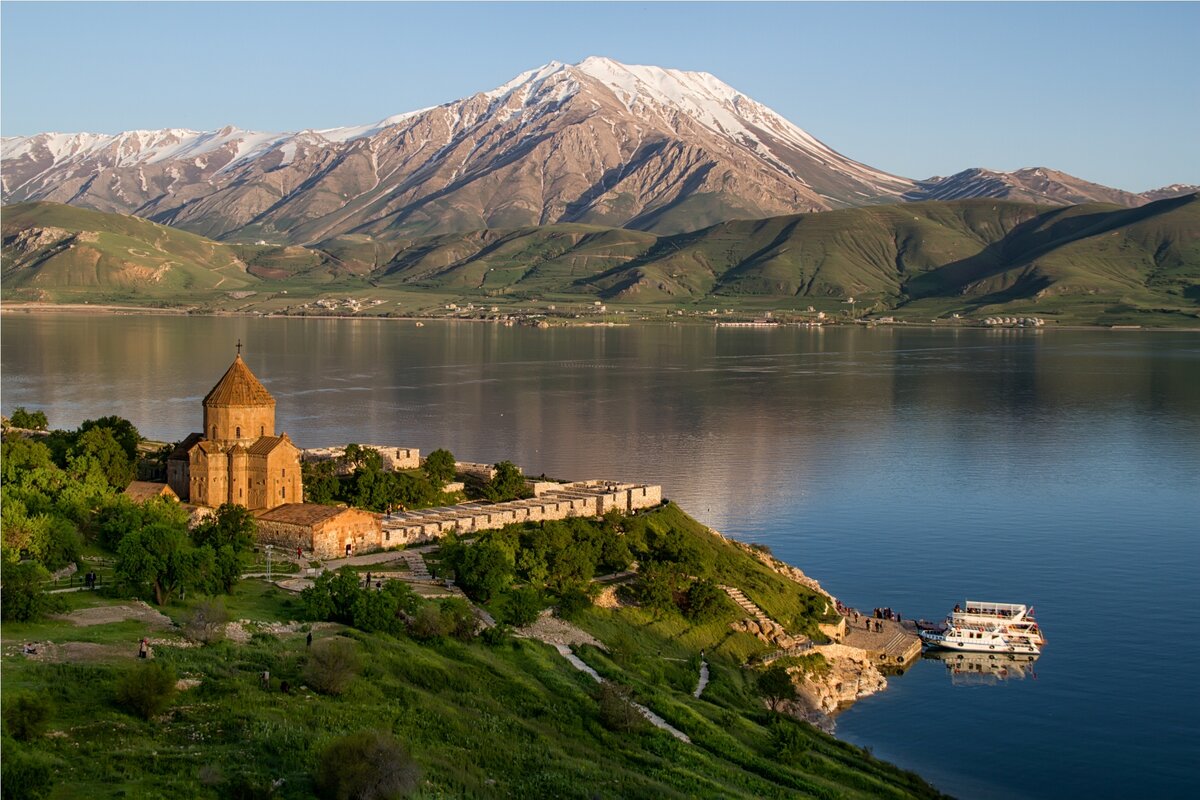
<point x="496" y="636"/>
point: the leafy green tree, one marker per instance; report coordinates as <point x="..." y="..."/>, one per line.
<point x="573" y="601"/>
<point x="22" y="598"/>
<point x="521" y="607"/>
<point x="147" y="689"/>
<point x="372" y="488"/>
<point x="704" y="600"/>
<point x="62" y="543"/>
<point x="382" y="610"/>
<point x="231" y="525"/>
<point x="412" y="491"/>
<point x="427" y="623"/>
<point x="483" y="569"/>
<point x="160" y="560"/>
<point x="20" y="456"/>
<point x="332" y="596"/>
<point x="439" y="467"/>
<point x="657" y="585"/>
<point x="122" y="430"/>
<point x="507" y="484"/>
<point x="321" y="484"/>
<point x="30" y="420"/>
<point x="369" y="765"/>
<point x="100" y="445"/>
<point x="775" y="685"/>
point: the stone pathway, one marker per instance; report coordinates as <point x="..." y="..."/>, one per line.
<point x="655" y="720"/>
<point x="700" y="687"/>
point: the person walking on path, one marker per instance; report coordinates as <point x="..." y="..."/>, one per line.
<point x="144" y="648"/>
<point x="308" y="640"/>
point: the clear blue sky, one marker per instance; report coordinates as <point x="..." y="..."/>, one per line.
<point x="1106" y="91"/>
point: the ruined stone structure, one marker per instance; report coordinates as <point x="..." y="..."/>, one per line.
<point x="237" y="458"/>
<point x="394" y="458"/>
<point x="141" y="491"/>
<point x="579" y="499"/>
<point x="323" y="531"/>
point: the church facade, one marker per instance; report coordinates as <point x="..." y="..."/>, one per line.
<point x="237" y="458"/>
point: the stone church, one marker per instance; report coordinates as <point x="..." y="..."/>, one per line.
<point x="237" y="458"/>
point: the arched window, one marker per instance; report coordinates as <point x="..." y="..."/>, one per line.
<point x="238" y="433"/>
<point x="283" y="492"/>
<point x="214" y="433"/>
<point x="262" y="430"/>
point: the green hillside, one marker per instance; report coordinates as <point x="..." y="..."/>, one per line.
<point x="1088" y="263"/>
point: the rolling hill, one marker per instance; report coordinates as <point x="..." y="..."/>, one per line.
<point x="972" y="256"/>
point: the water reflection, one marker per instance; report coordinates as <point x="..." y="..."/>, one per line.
<point x="983" y="669"/>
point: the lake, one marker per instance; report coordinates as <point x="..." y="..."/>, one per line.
<point x="906" y="468"/>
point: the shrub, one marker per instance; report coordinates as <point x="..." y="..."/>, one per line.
<point x="369" y="765"/>
<point x="616" y="710"/>
<point x="572" y="601"/>
<point x="458" y="618"/>
<point x="22" y="597"/>
<point x="788" y="742"/>
<point x="26" y="717"/>
<point x="427" y="623"/>
<point x="332" y="664"/>
<point x="147" y="689"/>
<point x="26" y="775"/>
<point x="521" y="607"/>
<point x="205" y="623"/>
<point x="483" y="570"/>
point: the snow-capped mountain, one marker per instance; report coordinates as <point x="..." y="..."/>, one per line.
<point x="1034" y="185"/>
<point x="598" y="141"/>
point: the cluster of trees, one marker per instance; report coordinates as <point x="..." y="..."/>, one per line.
<point x="557" y="560"/>
<point x="64" y="488"/>
<point x="370" y="486"/>
<point x="29" y="420"/>
<point x="393" y="608"/>
<point x="53" y="487"/>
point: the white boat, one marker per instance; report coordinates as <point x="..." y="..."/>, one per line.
<point x="987" y="628"/>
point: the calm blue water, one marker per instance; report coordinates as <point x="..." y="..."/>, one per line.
<point x="902" y="468"/>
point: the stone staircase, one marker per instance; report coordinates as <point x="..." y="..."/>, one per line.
<point x="418" y="570"/>
<point x="762" y="625"/>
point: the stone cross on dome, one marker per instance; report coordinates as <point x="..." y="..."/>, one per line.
<point x="239" y="346"/>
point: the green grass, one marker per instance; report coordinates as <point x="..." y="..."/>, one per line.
<point x="510" y="720"/>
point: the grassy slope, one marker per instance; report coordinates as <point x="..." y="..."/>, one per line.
<point x="513" y="720"/>
<point x="974" y="256"/>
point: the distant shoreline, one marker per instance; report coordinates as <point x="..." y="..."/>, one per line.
<point x="115" y="309"/>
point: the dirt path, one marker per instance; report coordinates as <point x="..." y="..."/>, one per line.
<point x="700" y="687"/>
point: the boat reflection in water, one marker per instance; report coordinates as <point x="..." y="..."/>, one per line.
<point x="984" y="669"/>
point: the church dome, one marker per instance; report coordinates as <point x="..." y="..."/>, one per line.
<point x="239" y="387"/>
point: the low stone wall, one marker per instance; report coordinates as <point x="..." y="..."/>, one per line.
<point x="581" y="499"/>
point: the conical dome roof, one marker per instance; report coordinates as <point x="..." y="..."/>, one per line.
<point x="239" y="387"/>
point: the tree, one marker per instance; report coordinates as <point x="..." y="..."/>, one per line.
<point x="332" y="664"/>
<point x="369" y="765"/>
<point x="439" y="467"/>
<point x="321" y="485"/>
<point x="704" y="600"/>
<point x="458" y="618"/>
<point x="521" y="607"/>
<point x="147" y="689"/>
<point x="100" y="445"/>
<point x="22" y="598"/>
<point x="332" y="596"/>
<point x="775" y="684"/>
<point x="507" y="484"/>
<point x="657" y="584"/>
<point x="161" y="560"/>
<point x="380" y="611"/>
<point x="205" y="623"/>
<point x="483" y="570"/>
<point x="30" y="420"/>
<point x="617" y="712"/>
<point x="27" y="774"/>
<point x="122" y="430"/>
<point x="231" y="525"/>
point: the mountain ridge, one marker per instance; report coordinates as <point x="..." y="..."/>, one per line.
<point x="596" y="142"/>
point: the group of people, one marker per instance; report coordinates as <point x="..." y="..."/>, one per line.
<point x="887" y="613"/>
<point x="875" y="622"/>
<point x="89" y="580"/>
<point x="367" y="582"/>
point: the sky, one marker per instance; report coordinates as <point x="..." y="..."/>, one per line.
<point x="1109" y="92"/>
